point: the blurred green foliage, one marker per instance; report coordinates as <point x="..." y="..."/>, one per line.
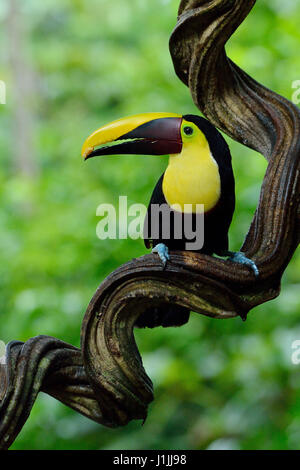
<point x="218" y="384"/>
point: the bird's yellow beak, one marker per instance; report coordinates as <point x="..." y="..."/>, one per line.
<point x="149" y="134"/>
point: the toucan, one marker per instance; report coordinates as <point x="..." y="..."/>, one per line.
<point x="197" y="185"/>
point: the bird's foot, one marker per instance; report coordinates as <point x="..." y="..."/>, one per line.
<point x="163" y="252"/>
<point x="241" y="258"/>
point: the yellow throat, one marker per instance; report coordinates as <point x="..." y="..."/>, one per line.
<point x="192" y="177"/>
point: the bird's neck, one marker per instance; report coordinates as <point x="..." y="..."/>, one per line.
<point x="192" y="178"/>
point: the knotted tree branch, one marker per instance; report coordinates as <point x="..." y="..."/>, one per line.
<point x="105" y="379"/>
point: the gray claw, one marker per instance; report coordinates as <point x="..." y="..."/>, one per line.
<point x="163" y="252"/>
<point x="240" y="257"/>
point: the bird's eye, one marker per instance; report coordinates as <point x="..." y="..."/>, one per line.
<point x="188" y="130"/>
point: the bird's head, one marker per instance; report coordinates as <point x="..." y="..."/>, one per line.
<point x="148" y="134"/>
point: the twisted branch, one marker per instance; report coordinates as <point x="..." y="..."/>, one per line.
<point x="105" y="380"/>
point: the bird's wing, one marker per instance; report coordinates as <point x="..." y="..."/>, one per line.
<point x="156" y="198"/>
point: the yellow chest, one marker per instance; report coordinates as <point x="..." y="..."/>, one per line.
<point x="192" y="179"/>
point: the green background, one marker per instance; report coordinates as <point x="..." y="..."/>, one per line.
<point x="70" y="66"/>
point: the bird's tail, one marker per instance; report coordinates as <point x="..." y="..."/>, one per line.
<point x="164" y="315"/>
